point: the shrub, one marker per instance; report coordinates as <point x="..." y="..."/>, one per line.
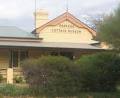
<point x="99" y="72"/>
<point x="59" y="76"/>
<point x="52" y="75"/>
<point x="18" y="79"/>
<point x="1" y="78"/>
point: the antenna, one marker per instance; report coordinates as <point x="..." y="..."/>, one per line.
<point x="35" y="13"/>
<point x="67" y="6"/>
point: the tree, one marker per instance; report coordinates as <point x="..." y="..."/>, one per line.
<point x="109" y="29"/>
<point x="99" y="72"/>
<point x="52" y="76"/>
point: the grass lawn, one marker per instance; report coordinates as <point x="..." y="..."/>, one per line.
<point x="17" y="91"/>
<point x="100" y="95"/>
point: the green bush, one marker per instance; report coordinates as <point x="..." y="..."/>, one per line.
<point x="59" y="76"/>
<point x="99" y="72"/>
<point x="52" y="75"/>
<point x="18" y="79"/>
<point x="1" y="78"/>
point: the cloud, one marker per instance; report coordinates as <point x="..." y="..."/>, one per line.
<point x="20" y="12"/>
<point x="12" y="9"/>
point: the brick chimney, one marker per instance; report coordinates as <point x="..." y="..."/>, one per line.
<point x="41" y="17"/>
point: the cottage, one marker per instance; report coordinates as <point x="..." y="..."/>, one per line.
<point x="65" y="35"/>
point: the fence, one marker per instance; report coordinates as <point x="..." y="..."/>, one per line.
<point x="17" y="72"/>
<point x="3" y="73"/>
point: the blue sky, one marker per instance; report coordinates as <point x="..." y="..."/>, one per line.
<point x="20" y="12"/>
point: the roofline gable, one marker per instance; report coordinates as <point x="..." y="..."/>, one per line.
<point x="70" y="18"/>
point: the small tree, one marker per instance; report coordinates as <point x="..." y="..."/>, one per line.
<point x="52" y="75"/>
<point x="99" y="72"/>
<point x="1" y="78"/>
<point x="109" y="29"/>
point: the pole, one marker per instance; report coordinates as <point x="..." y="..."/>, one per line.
<point x="35" y="6"/>
<point x="67" y="6"/>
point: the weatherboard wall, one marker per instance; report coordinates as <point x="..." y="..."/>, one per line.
<point x="66" y="32"/>
<point x="4" y="58"/>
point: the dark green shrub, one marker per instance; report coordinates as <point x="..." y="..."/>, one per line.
<point x="99" y="72"/>
<point x="52" y="75"/>
<point x="18" y="79"/>
<point x="1" y="78"/>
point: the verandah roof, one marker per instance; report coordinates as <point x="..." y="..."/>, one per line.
<point x="48" y="45"/>
<point x="11" y="31"/>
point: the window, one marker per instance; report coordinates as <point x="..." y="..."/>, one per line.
<point x="16" y="57"/>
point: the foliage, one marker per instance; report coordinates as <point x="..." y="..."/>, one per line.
<point x="99" y="95"/>
<point x="52" y="75"/>
<point x="5" y="93"/>
<point x="1" y="78"/>
<point x="12" y="90"/>
<point x="109" y="29"/>
<point x="18" y="79"/>
<point x="99" y="72"/>
<point x="59" y="76"/>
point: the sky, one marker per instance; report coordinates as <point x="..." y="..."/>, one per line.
<point x="19" y="13"/>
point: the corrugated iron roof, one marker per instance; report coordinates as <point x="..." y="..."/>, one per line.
<point x="11" y="31"/>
